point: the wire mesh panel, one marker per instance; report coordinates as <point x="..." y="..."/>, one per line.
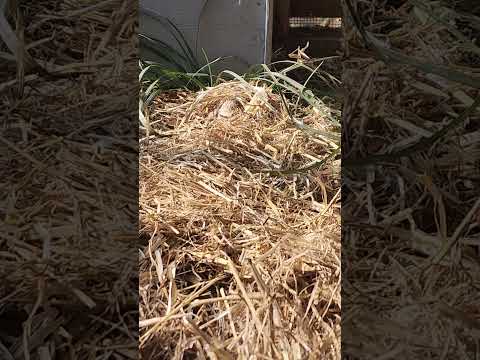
<point x="315" y="22"/>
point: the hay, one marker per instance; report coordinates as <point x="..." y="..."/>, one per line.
<point x="237" y="262"/>
<point x="410" y="233"/>
<point x="68" y="200"/>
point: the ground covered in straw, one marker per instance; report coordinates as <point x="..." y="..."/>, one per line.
<point x="411" y="219"/>
<point x="237" y="261"/>
<point x="68" y="171"/>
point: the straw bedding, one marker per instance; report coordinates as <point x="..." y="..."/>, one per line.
<point x="68" y="195"/>
<point x="411" y="221"/>
<point x="237" y="262"/>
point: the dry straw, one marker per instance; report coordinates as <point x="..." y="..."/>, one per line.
<point x="237" y="262"/>
<point x="66" y="191"/>
<point x="411" y="176"/>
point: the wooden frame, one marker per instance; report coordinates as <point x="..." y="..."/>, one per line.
<point x="281" y="23"/>
<point x="316" y="8"/>
<point x="324" y="42"/>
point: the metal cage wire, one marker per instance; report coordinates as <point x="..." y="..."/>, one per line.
<point x="315" y="22"/>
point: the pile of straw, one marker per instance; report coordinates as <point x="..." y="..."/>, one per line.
<point x="68" y="196"/>
<point x="237" y="261"/>
<point x="412" y="181"/>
